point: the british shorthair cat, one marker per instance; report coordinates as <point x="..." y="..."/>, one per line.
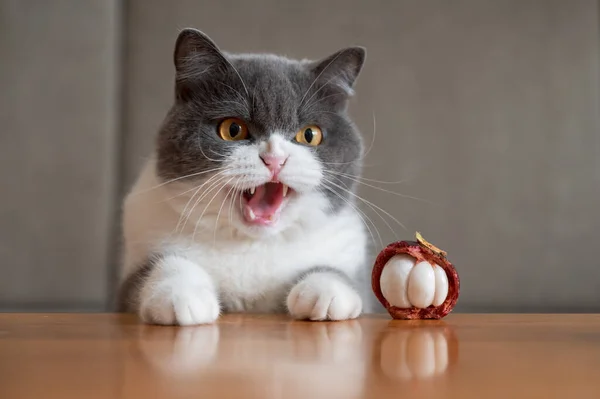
<point x="246" y="204"/>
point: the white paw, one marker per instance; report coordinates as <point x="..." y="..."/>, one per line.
<point x="178" y="292"/>
<point x="194" y="305"/>
<point x="324" y="296"/>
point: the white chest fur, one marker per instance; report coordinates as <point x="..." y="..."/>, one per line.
<point x="250" y="274"/>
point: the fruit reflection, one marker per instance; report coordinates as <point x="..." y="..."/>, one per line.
<point x="416" y="351"/>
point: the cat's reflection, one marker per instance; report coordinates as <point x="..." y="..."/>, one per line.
<point x="326" y="342"/>
<point x="410" y="351"/>
<point x="179" y="351"/>
<point x="265" y="359"/>
<point x="269" y="358"/>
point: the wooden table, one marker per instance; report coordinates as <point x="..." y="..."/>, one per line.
<point x="88" y="356"/>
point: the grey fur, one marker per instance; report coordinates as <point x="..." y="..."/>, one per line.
<point x="129" y="289"/>
<point x="272" y="94"/>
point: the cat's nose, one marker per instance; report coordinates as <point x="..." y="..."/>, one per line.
<point x="274" y="162"/>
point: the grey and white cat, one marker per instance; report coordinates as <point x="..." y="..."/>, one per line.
<point x="247" y="204"/>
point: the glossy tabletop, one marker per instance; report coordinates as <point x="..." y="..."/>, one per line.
<point x="463" y="356"/>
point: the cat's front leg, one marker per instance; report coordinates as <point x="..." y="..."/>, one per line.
<point x="173" y="290"/>
<point x="324" y="294"/>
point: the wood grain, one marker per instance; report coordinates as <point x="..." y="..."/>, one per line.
<point x="463" y="356"/>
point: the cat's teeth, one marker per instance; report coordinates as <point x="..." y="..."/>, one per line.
<point x="252" y="190"/>
<point x="251" y="214"/>
<point x="285" y="190"/>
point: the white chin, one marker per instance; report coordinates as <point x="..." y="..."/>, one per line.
<point x="259" y="230"/>
<point x="241" y="223"/>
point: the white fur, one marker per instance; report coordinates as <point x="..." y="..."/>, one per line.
<point x="324" y="296"/>
<point x="212" y="257"/>
<point x="177" y="291"/>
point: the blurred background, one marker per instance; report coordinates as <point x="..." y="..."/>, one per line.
<point x="487" y="110"/>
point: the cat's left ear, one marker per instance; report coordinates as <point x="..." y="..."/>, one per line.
<point x="194" y="49"/>
<point x="197" y="59"/>
<point x="341" y="68"/>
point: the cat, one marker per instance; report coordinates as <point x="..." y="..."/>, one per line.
<point x="247" y="203"/>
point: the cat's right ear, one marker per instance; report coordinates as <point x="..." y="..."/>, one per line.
<point x="341" y="69"/>
<point x="195" y="57"/>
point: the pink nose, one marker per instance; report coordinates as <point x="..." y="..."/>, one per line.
<point x="273" y="162"/>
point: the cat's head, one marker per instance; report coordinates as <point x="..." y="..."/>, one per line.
<point x="267" y="139"/>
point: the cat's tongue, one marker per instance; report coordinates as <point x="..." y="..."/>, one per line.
<point x="263" y="206"/>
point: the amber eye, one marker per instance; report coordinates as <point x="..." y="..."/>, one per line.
<point x="310" y="135"/>
<point x="233" y="129"/>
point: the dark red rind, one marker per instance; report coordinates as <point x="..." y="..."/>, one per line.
<point x="420" y="253"/>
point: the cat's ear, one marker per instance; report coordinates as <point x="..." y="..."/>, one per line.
<point x="195" y="57"/>
<point x="341" y="68"/>
<point x="193" y="47"/>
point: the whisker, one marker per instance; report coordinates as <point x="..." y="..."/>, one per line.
<point x="184" y="192"/>
<point x="368" y="203"/>
<point x="341" y="163"/>
<point x="219" y="214"/>
<point x="176" y="179"/>
<point x="390" y="192"/>
<point x="236" y="192"/>
<point x="219" y="154"/>
<point x="364" y="178"/>
<point x="319" y="75"/>
<point x="241" y="80"/>
<point x="237" y="92"/>
<point x="373" y="139"/>
<point x="207" y="206"/>
<point x="323" y="85"/>
<point x="360" y="214"/>
<point x="180" y="194"/>
<point x="384" y="221"/>
<point x="357" y="209"/>
<point x="201" y="197"/>
<point x="207" y="157"/>
<point x="362" y="156"/>
<point x="323" y="112"/>
<point x="181" y="215"/>
<point x="318" y="100"/>
<point x="205" y="194"/>
<point x="236" y="71"/>
<point x="241" y="204"/>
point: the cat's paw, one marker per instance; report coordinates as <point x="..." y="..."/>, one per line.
<point x="187" y="307"/>
<point x="178" y="293"/>
<point x="323" y="296"/>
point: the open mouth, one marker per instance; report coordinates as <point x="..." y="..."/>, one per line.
<point x="263" y="203"/>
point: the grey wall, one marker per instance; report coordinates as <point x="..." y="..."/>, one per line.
<point x="487" y="109"/>
<point x="59" y="91"/>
